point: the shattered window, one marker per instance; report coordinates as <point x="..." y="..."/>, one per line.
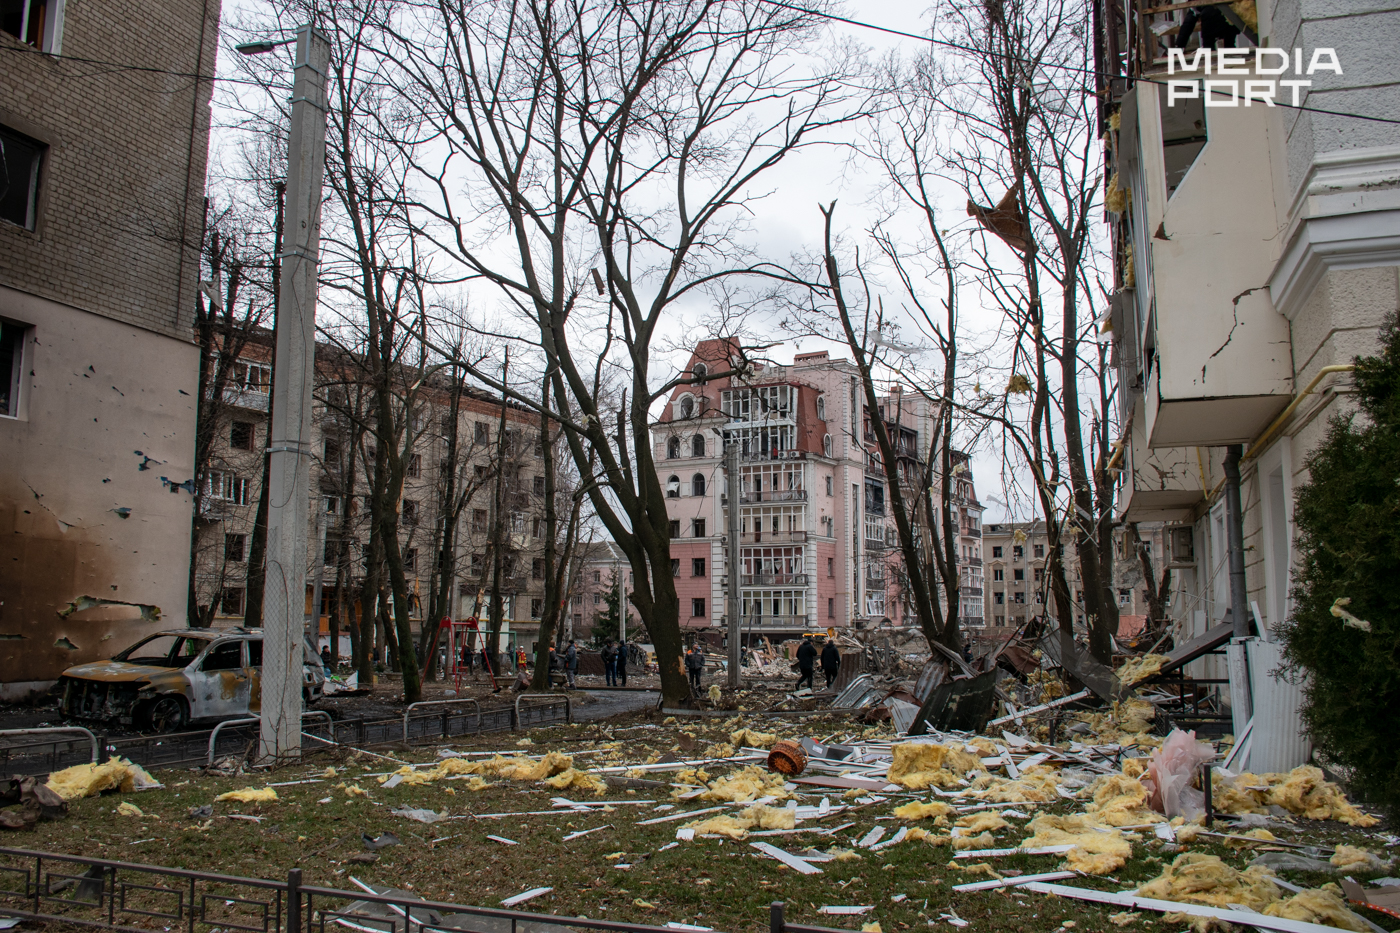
<point x="164" y="650"/>
<point x="11" y="365"/>
<point x="1183" y="136"/>
<point x="225" y="657"/>
<point x="20" y="158"/>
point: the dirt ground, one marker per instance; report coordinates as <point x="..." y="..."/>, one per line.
<point x="624" y="871"/>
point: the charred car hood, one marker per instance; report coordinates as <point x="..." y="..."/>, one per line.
<point x="116" y="672"/>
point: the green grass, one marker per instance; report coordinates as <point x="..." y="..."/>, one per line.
<point x="711" y="882"/>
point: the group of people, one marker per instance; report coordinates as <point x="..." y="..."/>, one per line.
<point x="615" y="663"/>
<point x="806" y="662"/>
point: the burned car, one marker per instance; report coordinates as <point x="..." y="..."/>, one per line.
<point x="171" y="678"/>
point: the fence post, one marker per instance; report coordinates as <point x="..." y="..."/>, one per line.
<point x="294" y="901"/>
<point x="102" y="749"/>
<point x="775" y="917"/>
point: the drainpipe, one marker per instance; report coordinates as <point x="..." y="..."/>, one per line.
<point x="1234" y="519"/>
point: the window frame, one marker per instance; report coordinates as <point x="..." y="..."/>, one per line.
<point x="34" y="208"/>
<point x="22" y="335"/>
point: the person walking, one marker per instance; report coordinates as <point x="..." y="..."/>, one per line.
<point x="806" y="658"/>
<point x="620" y="661"/>
<point x="571" y="662"/>
<point x="326" y="660"/>
<point x="694" y="666"/>
<point x="831" y="662"/>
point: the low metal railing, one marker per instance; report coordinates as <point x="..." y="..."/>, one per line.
<point x="46" y="731"/>
<point x="255" y="720"/>
<point x="546" y="699"/>
<point x="446" y="704"/>
<point x="127" y="896"/>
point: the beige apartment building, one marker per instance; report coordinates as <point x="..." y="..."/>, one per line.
<point x="1018" y="585"/>
<point x="338" y="519"/>
<point x="101" y="213"/>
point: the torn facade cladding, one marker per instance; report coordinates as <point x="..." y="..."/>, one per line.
<point x="1245" y="83"/>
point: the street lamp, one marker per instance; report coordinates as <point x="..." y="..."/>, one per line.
<point x="289" y="441"/>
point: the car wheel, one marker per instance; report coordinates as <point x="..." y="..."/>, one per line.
<point x="167" y="714"/>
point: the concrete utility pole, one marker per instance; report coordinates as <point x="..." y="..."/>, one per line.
<point x="731" y="592"/>
<point x="289" y="451"/>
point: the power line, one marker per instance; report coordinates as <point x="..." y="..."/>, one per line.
<point x="1089" y="72"/>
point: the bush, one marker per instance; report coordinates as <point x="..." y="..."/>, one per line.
<point x="1348" y="538"/>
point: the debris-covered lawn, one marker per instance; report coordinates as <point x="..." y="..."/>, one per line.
<point x="713" y="842"/>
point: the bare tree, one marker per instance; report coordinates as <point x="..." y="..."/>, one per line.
<point x="1026" y="109"/>
<point x="613" y="148"/>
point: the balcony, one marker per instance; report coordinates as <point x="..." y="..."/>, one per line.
<point x="1162" y="485"/>
<point x="773" y="623"/>
<point x="773" y="579"/>
<point x="252" y="400"/>
<point x="972" y="591"/>
<point x="972" y="532"/>
<point x="971" y="562"/>
<point x="1196" y="337"/>
<point x="773" y="537"/>
<point x="772" y="495"/>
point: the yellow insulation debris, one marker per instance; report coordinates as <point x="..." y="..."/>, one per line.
<point x="1303" y="792"/>
<point x="1196" y="878"/>
<point x="1095" y="851"/>
<point x="752" y="739"/>
<point x="1036" y="785"/>
<point x="1315" y="906"/>
<point x="512" y="769"/>
<point x="920" y="765"/>
<point x="250" y="795"/>
<point x="761" y="816"/>
<point x="984" y="822"/>
<point x="745" y="786"/>
<point x="574" y="779"/>
<point x="1116" y="199"/>
<point x="917" y="810"/>
<point x="981" y="868"/>
<point x="984" y="841"/>
<point x="129" y="809"/>
<point x="1353" y="858"/>
<point x="90" y="780"/>
<point x="730" y="826"/>
<point x="1120" y="800"/>
<point x="1137" y="670"/>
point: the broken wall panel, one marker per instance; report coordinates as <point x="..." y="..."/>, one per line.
<point x="92" y="501"/>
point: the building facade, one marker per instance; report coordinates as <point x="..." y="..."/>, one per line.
<point x="100" y="225"/>
<point x="1256" y="255"/>
<point x="339" y="516"/>
<point x="818" y="547"/>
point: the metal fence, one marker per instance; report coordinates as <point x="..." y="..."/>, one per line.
<point x="135" y="898"/>
<point x="34" y="754"/>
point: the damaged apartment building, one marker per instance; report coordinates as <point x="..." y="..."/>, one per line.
<point x="343" y="445"/>
<point x="817" y="543"/>
<point x="1256" y="248"/>
<point x="100" y="217"/>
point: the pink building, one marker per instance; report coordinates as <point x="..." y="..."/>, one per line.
<point x="817" y="549"/>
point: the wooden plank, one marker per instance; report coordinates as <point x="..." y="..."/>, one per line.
<point x="1013" y="882"/>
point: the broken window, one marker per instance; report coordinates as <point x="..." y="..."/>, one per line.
<point x="240" y="435"/>
<point x="1039" y="550"/>
<point x="675" y="528"/>
<point x="227" y="486"/>
<point x="38" y="23"/>
<point x="410" y="560"/>
<point x="831" y="607"/>
<point x="697" y="608"/>
<point x="409" y="511"/>
<point x="415" y="466"/>
<point x="11" y="366"/>
<point x="253" y="377"/>
<point x="537" y="569"/>
<point x="330" y="452"/>
<point x="697" y="445"/>
<point x="697" y="527"/>
<point x="231" y="602"/>
<point x="1183" y="135"/>
<point x="999" y="598"/>
<point x="478" y="521"/>
<point x="234" y="548"/>
<point x="697" y="484"/>
<point x="697" y="566"/>
<point x="996" y="550"/>
<point x="538" y="485"/>
<point x="481" y="432"/>
<point x="1018" y="574"/>
<point x="476" y="564"/>
<point x="225" y="657"/>
<point x="328" y="553"/>
<point x="675" y="566"/>
<point x="20" y="159"/>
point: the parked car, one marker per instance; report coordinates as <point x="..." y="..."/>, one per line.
<point x="172" y="678"/>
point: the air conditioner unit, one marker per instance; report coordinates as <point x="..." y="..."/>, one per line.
<point x="1181" y="545"/>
